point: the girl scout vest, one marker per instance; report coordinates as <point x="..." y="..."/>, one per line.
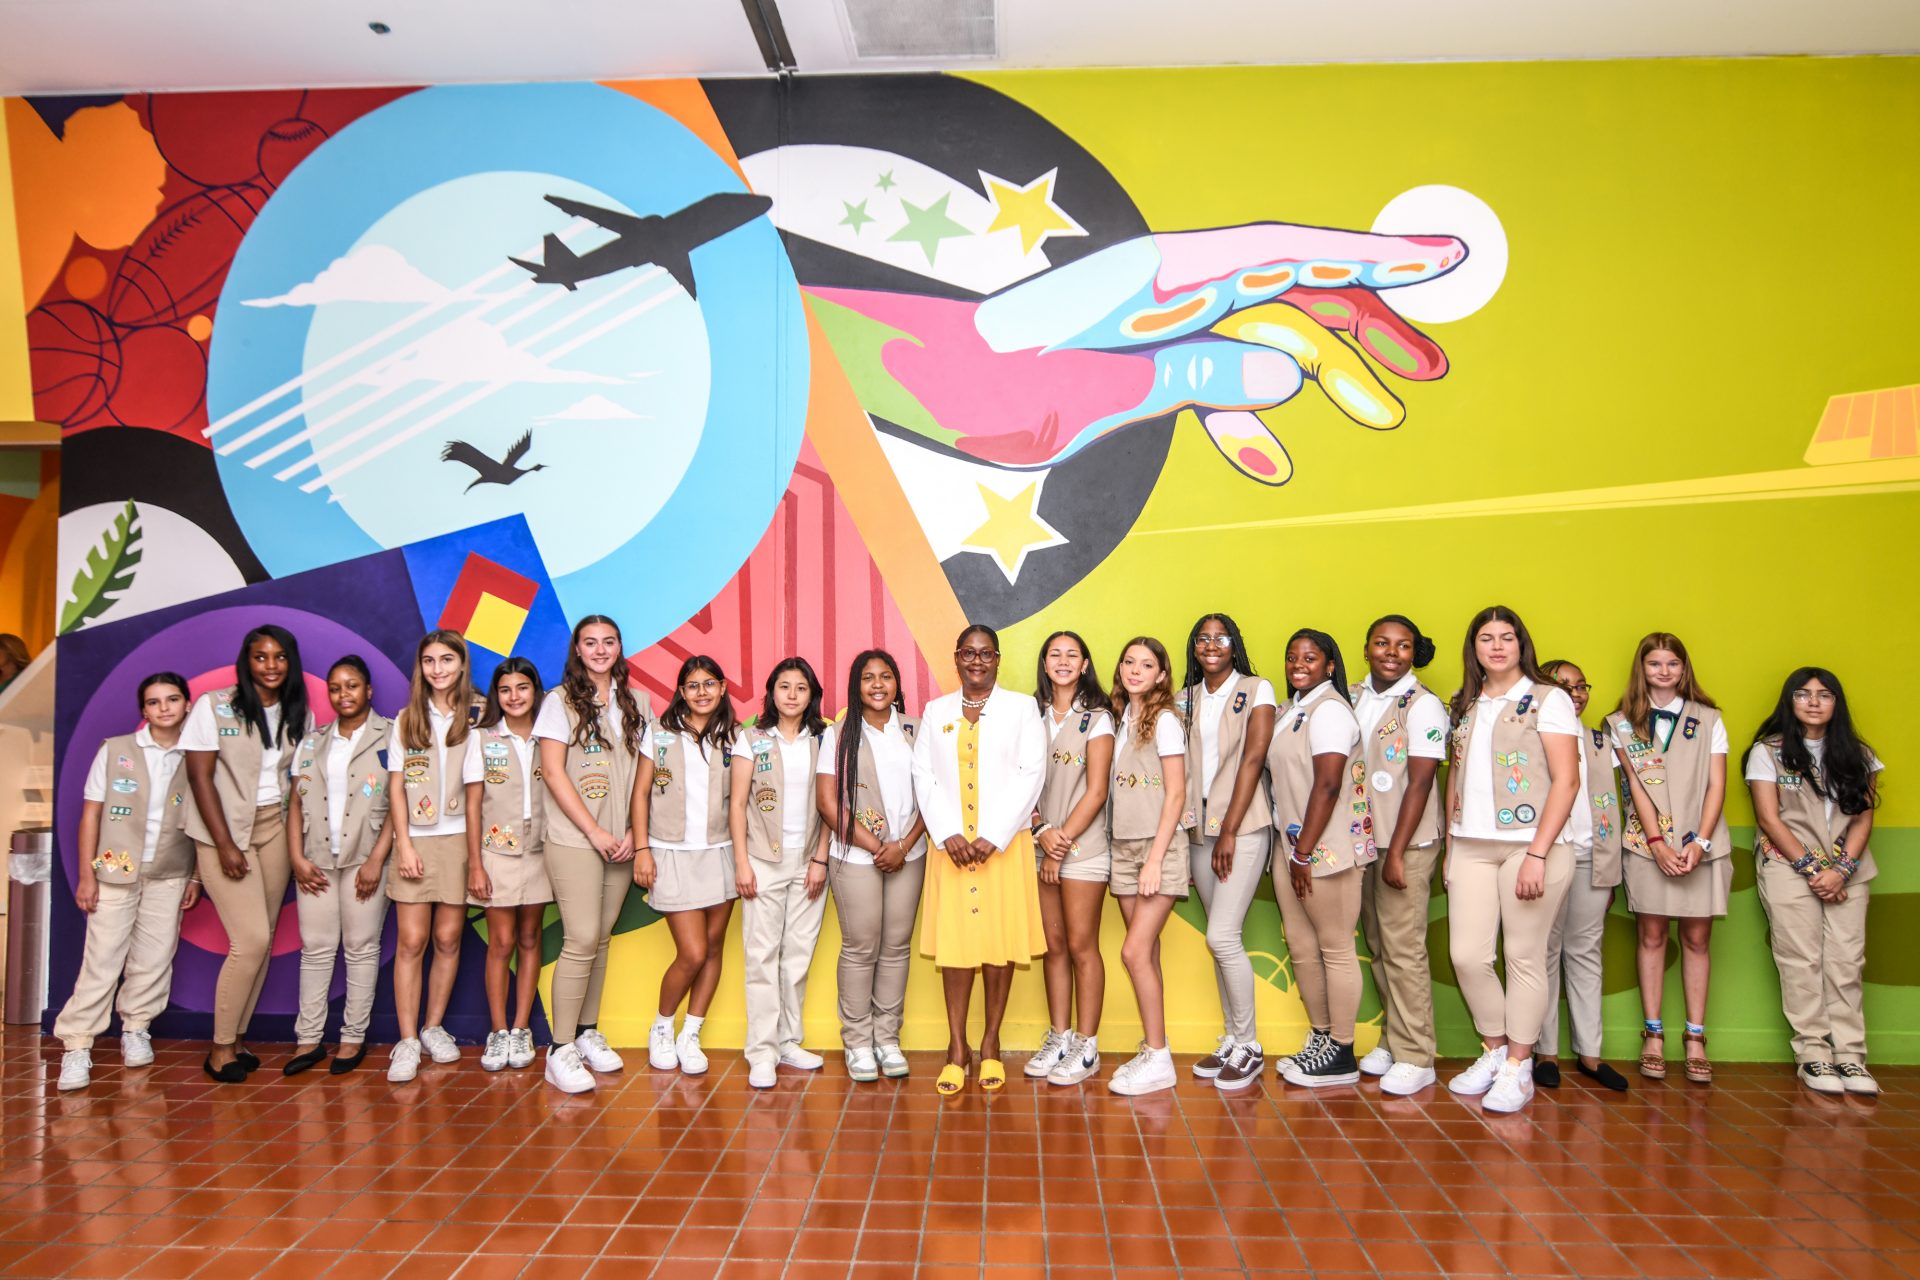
<point x="766" y="795"/>
<point x="1805" y="814"/>
<point x="1675" y="780"/>
<point x="506" y="792"/>
<point x="236" y="774"/>
<point x="1065" y="783"/>
<point x="367" y="794"/>
<point x="1209" y="809"/>
<point x="601" y="773"/>
<point x="1384" y="752"/>
<point x="872" y="814"/>
<point x="1347" y="839"/>
<point x="1139" y="789"/>
<point x="428" y="797"/>
<point x="1603" y="795"/>
<point x="1519" y="781"/>
<point x="674" y="751"/>
<point x="123" y="822"/>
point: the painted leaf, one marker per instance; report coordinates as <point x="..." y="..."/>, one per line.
<point x="107" y="572"/>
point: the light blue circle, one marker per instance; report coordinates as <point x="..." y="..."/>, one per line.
<point x="645" y="517"/>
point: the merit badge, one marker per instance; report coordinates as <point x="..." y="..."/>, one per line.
<point x="303" y="789"/>
<point x="1524" y="813"/>
<point x="1213" y="826"/>
<point x="425" y="810"/>
<point x="765" y="799"/>
<point x="499" y="837"/>
<point x="1239" y="702"/>
<point x="595" y="786"/>
<point x="124" y="763"/>
<point x="108" y="860"/>
<point x="416" y="769"/>
<point x="1382" y="780"/>
<point x="366" y="788"/>
<point x="496" y="777"/>
<point x="873" y="820"/>
<point x="1390" y="728"/>
<point x="1691" y="728"/>
<point x="1086" y="721"/>
<point x="125" y="786"/>
<point x="1506" y="817"/>
<point x="662" y="778"/>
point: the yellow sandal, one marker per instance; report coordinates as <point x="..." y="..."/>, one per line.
<point x="951" y="1080"/>
<point x="993" y="1074"/>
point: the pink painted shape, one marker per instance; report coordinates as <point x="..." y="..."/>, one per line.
<point x="1190" y="259"/>
<point x="1256" y="461"/>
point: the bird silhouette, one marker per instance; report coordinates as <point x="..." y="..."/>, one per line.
<point x="486" y="470"/>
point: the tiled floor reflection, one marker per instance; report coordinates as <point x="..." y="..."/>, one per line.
<point x="162" y="1173"/>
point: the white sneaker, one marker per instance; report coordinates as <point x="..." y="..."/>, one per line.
<point x="76" y="1070"/>
<point x="762" y="1075"/>
<point x="801" y="1059"/>
<point x="1512" y="1088"/>
<point x="1081" y="1060"/>
<point x="1377" y="1062"/>
<point x="893" y="1063"/>
<point x="693" y="1061"/>
<point x="596" y="1052"/>
<point x="404" y="1064"/>
<point x="136" y="1048"/>
<point x="1857" y="1079"/>
<point x="1283" y="1065"/>
<point x="660" y="1051"/>
<point x="1047" y="1056"/>
<point x="1150" y="1072"/>
<point x="494" y="1056"/>
<point x="1821" y="1077"/>
<point x="565" y="1071"/>
<point x="439" y="1045"/>
<point x="861" y="1065"/>
<point x="1478" y="1078"/>
<point x="520" y="1048"/>
<point x="1404" y="1079"/>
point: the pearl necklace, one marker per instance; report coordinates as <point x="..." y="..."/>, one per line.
<point x="972" y="704"/>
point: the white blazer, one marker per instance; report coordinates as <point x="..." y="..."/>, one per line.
<point x="1013" y="766"/>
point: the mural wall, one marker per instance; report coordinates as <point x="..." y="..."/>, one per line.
<point x="763" y="370"/>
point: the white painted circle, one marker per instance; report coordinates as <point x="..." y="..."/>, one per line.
<point x="179" y="561"/>
<point x="1440" y="210"/>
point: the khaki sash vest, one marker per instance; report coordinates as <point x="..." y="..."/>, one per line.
<point x="1519" y="781"/>
<point x="667" y="813"/>
<point x="506" y="791"/>
<point x="1139" y="789"/>
<point x="1603" y="795"/>
<point x="766" y="795"/>
<point x="602" y="775"/>
<point x="1210" y="809"/>
<point x="236" y="775"/>
<point x="1347" y="839"/>
<point x="874" y="816"/>
<point x="1385" y="755"/>
<point x="428" y="798"/>
<point x="1065" y="783"/>
<point x="1676" y="781"/>
<point x="367" y="794"/>
<point x="1805" y="815"/>
<point x="123" y="820"/>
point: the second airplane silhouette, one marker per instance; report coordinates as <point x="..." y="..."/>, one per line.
<point x="665" y="241"/>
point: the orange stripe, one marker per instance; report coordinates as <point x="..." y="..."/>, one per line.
<point x="1833" y="421"/>
<point x="686" y="101"/>
<point x="1155" y="321"/>
<point x="1265" y="279"/>
<point x="1330" y="273"/>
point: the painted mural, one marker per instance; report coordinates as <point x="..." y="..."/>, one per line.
<point x="764" y="369"/>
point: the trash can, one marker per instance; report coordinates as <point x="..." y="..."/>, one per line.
<point x="29" y="877"/>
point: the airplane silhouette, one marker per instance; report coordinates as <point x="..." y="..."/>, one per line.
<point x="665" y="241"/>
<point x="487" y="470"/>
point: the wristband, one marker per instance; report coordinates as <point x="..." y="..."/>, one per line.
<point x="1844" y="865"/>
<point x="1298" y="861"/>
<point x="1043" y="828"/>
<point x="816" y="862"/>
<point x="1808" y="864"/>
<point x="1532" y="854"/>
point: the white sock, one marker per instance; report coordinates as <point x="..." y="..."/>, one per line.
<point x="664" y="1022"/>
<point x="691" y="1027"/>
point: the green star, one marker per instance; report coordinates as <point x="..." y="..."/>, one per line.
<point x="929" y="226"/>
<point x="885" y="181"/>
<point x="857" y="216"/>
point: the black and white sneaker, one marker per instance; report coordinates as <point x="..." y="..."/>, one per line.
<point x="1285" y="1064"/>
<point x="1326" y="1063"/>
<point x="1243" y="1066"/>
<point x="1209" y="1067"/>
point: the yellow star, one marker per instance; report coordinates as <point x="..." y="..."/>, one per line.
<point x="1029" y="208"/>
<point x="1012" y="529"/>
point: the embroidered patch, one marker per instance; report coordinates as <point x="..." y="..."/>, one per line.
<point x="1506" y="817"/>
<point x="1382" y="780"/>
<point x="1086" y="721"/>
<point x="124" y="762"/>
<point x="595" y="786"/>
<point x="1524" y="813"/>
<point x="415" y="769"/>
<point x="226" y="732"/>
<point x="1239" y="702"/>
<point x="125" y="786"/>
<point x="873" y="820"/>
<point x="303" y="788"/>
<point x="119" y="811"/>
<point x="501" y="838"/>
<point x="224" y="710"/>
<point x="496" y="776"/>
<point x="112" y="860"/>
<point x="1691" y="729"/>
<point x="1390" y="728"/>
<point x="425" y="811"/>
<point x="766" y="799"/>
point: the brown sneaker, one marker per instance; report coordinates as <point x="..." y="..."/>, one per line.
<point x="1242" y="1067"/>
<point x="1209" y="1067"/>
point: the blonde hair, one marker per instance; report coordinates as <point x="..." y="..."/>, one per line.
<point x="416" y="718"/>
<point x="1156" y="700"/>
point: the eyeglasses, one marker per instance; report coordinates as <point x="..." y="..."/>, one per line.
<point x="1582" y="687"/>
<point x="1213" y="642"/>
<point x="700" y="686"/>
<point x="976" y="655"/>
<point x="1819" y="697"/>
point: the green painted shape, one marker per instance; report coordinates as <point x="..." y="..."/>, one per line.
<point x="106" y="573"/>
<point x="858" y="341"/>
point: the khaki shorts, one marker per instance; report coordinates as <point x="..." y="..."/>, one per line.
<point x="1129" y="855"/>
<point x="1096" y="868"/>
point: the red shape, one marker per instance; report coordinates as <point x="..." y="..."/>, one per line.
<point x="178" y="264"/>
<point x="480" y="576"/>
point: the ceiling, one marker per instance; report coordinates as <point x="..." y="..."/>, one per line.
<point x="79" y="46"/>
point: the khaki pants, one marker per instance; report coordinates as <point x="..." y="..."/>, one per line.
<point x="338" y="923"/>
<point x="877" y="913"/>
<point x="1573" y="951"/>
<point x="589" y="891"/>
<point x="1486" y="918"/>
<point x="1820" y="949"/>
<point x="1320" y="928"/>
<point x="1395" y="921"/>
<point x="131" y="938"/>
<point x="778" y="929"/>
<point x="1226" y="905"/>
<point x="249" y="911"/>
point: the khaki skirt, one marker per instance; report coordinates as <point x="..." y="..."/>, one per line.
<point x="519" y="879"/>
<point x="692" y="879"/>
<point x="1701" y="893"/>
<point x="445" y="860"/>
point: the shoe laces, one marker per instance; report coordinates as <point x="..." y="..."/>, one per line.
<point x="1851" y="1070"/>
<point x="1141" y="1060"/>
<point x="1819" y="1068"/>
<point x="593" y="1038"/>
<point x="1318" y="1053"/>
<point x="1241" y="1055"/>
<point x="1054" y="1042"/>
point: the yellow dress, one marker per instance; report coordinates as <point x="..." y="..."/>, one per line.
<point x="985" y="914"/>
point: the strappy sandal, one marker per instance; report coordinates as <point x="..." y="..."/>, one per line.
<point x="1699" y="1070"/>
<point x="1653" y="1065"/>
<point x="951" y="1080"/>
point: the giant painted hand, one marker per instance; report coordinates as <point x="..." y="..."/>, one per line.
<point x="1228" y="322"/>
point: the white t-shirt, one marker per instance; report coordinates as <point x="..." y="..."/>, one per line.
<point x="202" y="733"/>
<point x="1760" y="767"/>
<point x="339" y="756"/>
<point x="161" y="763"/>
<point x="893" y="758"/>
<point x="1213" y="705"/>
<point x="1328" y="732"/>
<point x="1425" y="721"/>
<point x="444" y="823"/>
<point x="1101" y="726"/>
<point x="1169" y="736"/>
<point x="1623" y="733"/>
<point x="474" y="767"/>
<point x="796" y="785"/>
<point x="1476" y="819"/>
<point x="693" y="785"/>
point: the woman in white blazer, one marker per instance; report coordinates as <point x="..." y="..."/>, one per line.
<point x="978" y="765"/>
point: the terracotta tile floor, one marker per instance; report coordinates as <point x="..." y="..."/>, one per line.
<point x="161" y="1173"/>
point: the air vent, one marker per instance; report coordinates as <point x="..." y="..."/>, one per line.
<point x="923" y="28"/>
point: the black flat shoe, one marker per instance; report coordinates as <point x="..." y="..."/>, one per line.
<point x="1605" y="1075"/>
<point x="305" y="1061"/>
<point x="249" y="1060"/>
<point x="1546" y="1073"/>
<point x="232" y="1073"/>
<point x="341" y="1065"/>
